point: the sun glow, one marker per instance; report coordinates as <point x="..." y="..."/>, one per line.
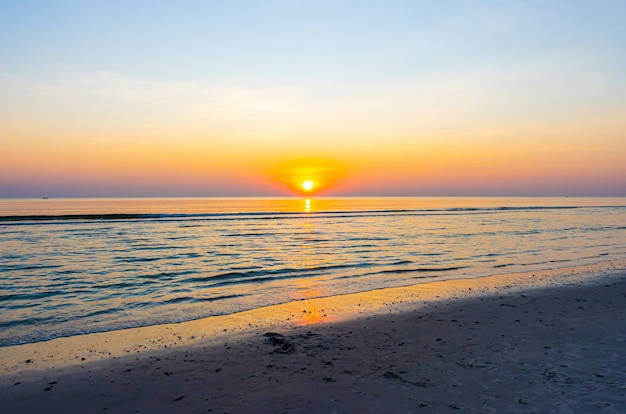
<point x="307" y="176"/>
<point x="307" y="185"/>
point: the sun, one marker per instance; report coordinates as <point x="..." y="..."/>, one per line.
<point x="306" y="176"/>
<point x="307" y="185"/>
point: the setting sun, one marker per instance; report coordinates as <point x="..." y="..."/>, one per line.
<point x="307" y="175"/>
<point x="308" y="185"/>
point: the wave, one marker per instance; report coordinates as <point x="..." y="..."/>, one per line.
<point x="423" y="269"/>
<point x="192" y="299"/>
<point x="271" y="274"/>
<point x="16" y="219"/>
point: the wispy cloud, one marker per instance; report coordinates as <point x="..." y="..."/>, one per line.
<point x="446" y="102"/>
<point x="148" y="100"/>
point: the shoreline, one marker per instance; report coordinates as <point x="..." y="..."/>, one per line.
<point x="508" y="348"/>
<point x="80" y="349"/>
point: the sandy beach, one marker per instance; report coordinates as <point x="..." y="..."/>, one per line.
<point x="550" y="341"/>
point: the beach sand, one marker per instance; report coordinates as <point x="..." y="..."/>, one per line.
<point x="550" y="341"/>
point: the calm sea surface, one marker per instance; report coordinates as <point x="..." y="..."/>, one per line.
<point x="83" y="265"/>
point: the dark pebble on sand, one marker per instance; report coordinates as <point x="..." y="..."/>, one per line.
<point x="28" y="361"/>
<point x="391" y="375"/>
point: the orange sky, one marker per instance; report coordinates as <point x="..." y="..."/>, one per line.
<point x="457" y="100"/>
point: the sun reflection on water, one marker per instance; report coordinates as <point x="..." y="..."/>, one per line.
<point x="309" y="288"/>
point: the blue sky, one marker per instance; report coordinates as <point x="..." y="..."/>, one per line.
<point x="291" y="41"/>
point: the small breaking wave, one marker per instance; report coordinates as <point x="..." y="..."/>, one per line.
<point x="274" y="215"/>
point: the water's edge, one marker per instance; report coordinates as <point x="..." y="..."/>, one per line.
<point x="81" y="349"/>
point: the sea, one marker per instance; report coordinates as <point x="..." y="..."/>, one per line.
<point x="75" y="266"/>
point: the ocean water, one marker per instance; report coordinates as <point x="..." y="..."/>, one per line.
<point x="73" y="266"/>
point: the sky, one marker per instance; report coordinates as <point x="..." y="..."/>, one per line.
<point x="363" y="98"/>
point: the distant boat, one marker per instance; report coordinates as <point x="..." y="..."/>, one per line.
<point x="45" y="198"/>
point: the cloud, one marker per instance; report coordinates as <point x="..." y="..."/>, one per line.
<point x="451" y="102"/>
<point x="152" y="101"/>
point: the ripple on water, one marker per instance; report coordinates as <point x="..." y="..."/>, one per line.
<point x="87" y="273"/>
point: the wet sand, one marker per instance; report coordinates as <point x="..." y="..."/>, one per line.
<point x="551" y="341"/>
